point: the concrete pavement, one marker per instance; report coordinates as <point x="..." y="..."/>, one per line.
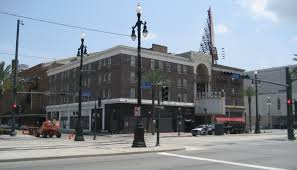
<point x="25" y="147"/>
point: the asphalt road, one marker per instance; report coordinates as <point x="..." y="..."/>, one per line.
<point x="260" y="154"/>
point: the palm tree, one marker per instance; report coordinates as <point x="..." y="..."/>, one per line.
<point x="156" y="79"/>
<point x="249" y="92"/>
<point x="5" y="81"/>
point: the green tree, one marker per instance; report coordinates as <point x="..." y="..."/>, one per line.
<point x="5" y="75"/>
<point x="294" y="71"/>
<point x="156" y="79"/>
<point x="249" y="92"/>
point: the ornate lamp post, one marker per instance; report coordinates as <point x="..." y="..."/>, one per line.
<point x="139" y="129"/>
<point x="78" y="129"/>
<point x="269" y="114"/>
<point x="179" y="120"/>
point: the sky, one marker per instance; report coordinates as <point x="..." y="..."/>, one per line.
<point x="255" y="34"/>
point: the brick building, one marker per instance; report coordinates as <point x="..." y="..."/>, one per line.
<point x="198" y="89"/>
<point x="33" y="105"/>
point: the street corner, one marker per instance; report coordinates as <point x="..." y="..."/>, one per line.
<point x="150" y="148"/>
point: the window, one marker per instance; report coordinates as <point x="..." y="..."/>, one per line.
<point x="109" y="93"/>
<point x="161" y="65"/>
<point x="89" y="82"/>
<point x="179" y="68"/>
<point x="185" y="98"/>
<point x="132" y="93"/>
<point x="152" y="64"/>
<point x="278" y="104"/>
<point x="179" y="97"/>
<point x="103" y="93"/>
<point x="168" y="67"/>
<point x="99" y="79"/>
<point x="104" y="62"/>
<point x="132" y="76"/>
<point x="109" y="61"/>
<point x="132" y="61"/>
<point x="104" y="77"/>
<point x="179" y="84"/>
<point x="109" y="77"/>
<point x="65" y="99"/>
<point x="185" y="83"/>
<point x="185" y="69"/>
<point x="99" y="65"/>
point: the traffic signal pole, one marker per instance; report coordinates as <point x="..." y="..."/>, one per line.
<point x="288" y="85"/>
<point x="14" y="92"/>
<point x="290" y="127"/>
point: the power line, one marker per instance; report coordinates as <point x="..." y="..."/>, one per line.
<point x="65" y="25"/>
<point x="12" y="54"/>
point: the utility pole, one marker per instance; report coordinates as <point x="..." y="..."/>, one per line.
<point x="257" y="128"/>
<point x="14" y="91"/>
<point x="289" y="106"/>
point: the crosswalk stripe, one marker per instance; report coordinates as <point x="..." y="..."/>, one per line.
<point x="220" y="161"/>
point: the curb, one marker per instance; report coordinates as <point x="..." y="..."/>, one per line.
<point x="86" y="156"/>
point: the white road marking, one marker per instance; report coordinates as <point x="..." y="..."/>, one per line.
<point x="190" y="148"/>
<point x="220" y="161"/>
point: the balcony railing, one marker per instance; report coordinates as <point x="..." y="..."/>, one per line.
<point x="204" y="95"/>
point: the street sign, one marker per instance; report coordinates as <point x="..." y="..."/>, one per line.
<point x="147" y="85"/>
<point x="136" y="111"/>
<point x="86" y="93"/>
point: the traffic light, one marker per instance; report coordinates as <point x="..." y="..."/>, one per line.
<point x="20" y="109"/>
<point x="14" y="106"/>
<point x="289" y="102"/>
<point x="99" y="101"/>
<point x="164" y="93"/>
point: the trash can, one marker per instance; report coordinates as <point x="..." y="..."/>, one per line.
<point x="219" y="129"/>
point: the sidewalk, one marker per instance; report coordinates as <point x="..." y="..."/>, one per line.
<point x="25" y="147"/>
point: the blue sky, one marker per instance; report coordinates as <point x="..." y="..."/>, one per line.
<point x="256" y="34"/>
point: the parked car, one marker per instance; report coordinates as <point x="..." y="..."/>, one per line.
<point x="200" y="130"/>
<point x="211" y="129"/>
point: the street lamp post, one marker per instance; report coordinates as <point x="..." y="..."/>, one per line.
<point x="139" y="129"/>
<point x="205" y="111"/>
<point x="179" y="120"/>
<point x="158" y="119"/>
<point x="81" y="51"/>
<point x="257" y="126"/>
<point x="269" y="114"/>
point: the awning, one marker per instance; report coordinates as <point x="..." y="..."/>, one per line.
<point x="229" y="119"/>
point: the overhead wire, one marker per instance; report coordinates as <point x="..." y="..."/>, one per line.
<point x="29" y="56"/>
<point x="65" y="25"/>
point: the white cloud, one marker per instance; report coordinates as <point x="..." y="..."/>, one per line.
<point x="258" y="8"/>
<point x="273" y="10"/>
<point x="220" y="29"/>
